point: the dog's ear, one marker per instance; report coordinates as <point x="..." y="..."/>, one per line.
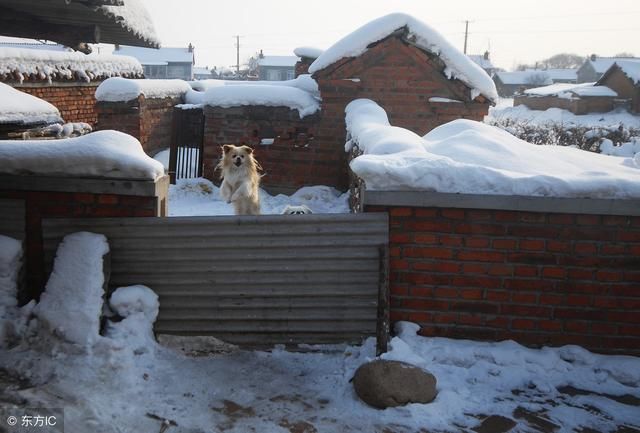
<point x="248" y="149"/>
<point x="227" y="147"/>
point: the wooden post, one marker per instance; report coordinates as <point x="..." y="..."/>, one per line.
<point x="383" y="324"/>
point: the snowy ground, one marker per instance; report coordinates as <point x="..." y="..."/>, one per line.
<point x="191" y="197"/>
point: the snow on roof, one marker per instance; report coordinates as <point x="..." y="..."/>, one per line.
<point x="201" y="70"/>
<point x="564" y="89"/>
<point x="309" y="52"/>
<point x="23" y="64"/>
<point x="278" y="61"/>
<point x="122" y="89"/>
<point x="23" y="108"/>
<point x="562" y="74"/>
<point x="480" y="60"/>
<point x="134" y="17"/>
<point x="458" y="65"/>
<point x="601" y="64"/>
<point x="102" y="154"/>
<point x="157" y="56"/>
<point x="532" y="76"/>
<point x="33" y="45"/>
<point x="470" y="157"/>
<point x="631" y="69"/>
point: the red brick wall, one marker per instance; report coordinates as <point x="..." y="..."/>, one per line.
<point x="76" y="103"/>
<point x="595" y="104"/>
<point x="43" y="204"/>
<point x="400" y="78"/>
<point x="149" y="120"/>
<point x="295" y="159"/>
<point x="537" y="278"/>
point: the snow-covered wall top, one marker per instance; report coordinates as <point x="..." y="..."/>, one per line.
<point x="121" y="89"/>
<point x="470" y="157"/>
<point x="300" y="94"/>
<point x="102" y="154"/>
<point x="459" y="66"/>
<point x="134" y="17"/>
<point x="309" y="52"/>
<point x="22" y="108"/>
<point x="24" y="64"/>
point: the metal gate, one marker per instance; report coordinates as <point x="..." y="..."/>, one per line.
<point x="256" y="280"/>
<point x="187" y="140"/>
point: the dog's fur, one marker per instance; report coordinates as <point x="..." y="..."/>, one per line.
<point x="240" y="179"/>
<point x="296" y="210"/>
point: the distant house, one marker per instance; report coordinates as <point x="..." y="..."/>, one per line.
<point x="484" y="62"/>
<point x="200" y="73"/>
<point x="510" y="83"/>
<point x="162" y="63"/>
<point x="276" y="68"/>
<point x="594" y="67"/>
<point x="581" y="98"/>
<point x="624" y="78"/>
<point x="563" y="75"/>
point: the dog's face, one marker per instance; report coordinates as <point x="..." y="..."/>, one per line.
<point x="237" y="156"/>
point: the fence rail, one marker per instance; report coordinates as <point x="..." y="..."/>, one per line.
<point x="250" y="280"/>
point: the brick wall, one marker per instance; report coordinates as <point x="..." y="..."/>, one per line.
<point x="584" y="105"/>
<point x="536" y="277"/>
<point x="76" y="102"/>
<point x="149" y="120"/>
<point x="60" y="204"/>
<point x="295" y="158"/>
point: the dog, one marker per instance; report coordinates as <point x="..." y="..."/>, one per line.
<point x="296" y="210"/>
<point x="240" y="176"/>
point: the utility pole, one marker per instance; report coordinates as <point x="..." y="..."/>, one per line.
<point x="237" y="55"/>
<point x="466" y="35"/>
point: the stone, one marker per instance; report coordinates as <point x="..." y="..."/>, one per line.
<point x="383" y="383"/>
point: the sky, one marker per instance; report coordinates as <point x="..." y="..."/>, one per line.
<point x="513" y="31"/>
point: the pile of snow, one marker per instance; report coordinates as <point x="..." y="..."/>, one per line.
<point x="71" y="304"/>
<point x="470" y="157"/>
<point x="121" y="89"/>
<point x="24" y="64"/>
<point x="300" y="94"/>
<point x="134" y="17"/>
<point x="308" y="52"/>
<point x="139" y="307"/>
<point x="629" y="149"/>
<point x="568" y="90"/>
<point x="458" y="65"/>
<point x="558" y="116"/>
<point x="104" y="154"/>
<point x="23" y="108"/>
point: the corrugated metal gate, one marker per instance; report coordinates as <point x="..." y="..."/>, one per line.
<point x="252" y="280"/>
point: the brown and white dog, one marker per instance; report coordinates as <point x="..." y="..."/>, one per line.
<point x="240" y="179"/>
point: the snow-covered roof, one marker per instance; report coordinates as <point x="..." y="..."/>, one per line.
<point x="133" y="16"/>
<point x="532" y="76"/>
<point x="631" y="69"/>
<point x="25" y="109"/>
<point x="308" y="52"/>
<point x="122" y="89"/>
<point x="601" y="64"/>
<point x="565" y="89"/>
<point x="562" y="74"/>
<point x="471" y="157"/>
<point x="157" y="56"/>
<point x="278" y="61"/>
<point x="458" y="65"/>
<point x="23" y="64"/>
<point x="102" y="154"/>
<point x="33" y="45"/>
<point x="200" y="70"/>
<point x="480" y="60"/>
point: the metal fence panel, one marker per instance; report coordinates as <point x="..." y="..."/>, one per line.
<point x="257" y="280"/>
